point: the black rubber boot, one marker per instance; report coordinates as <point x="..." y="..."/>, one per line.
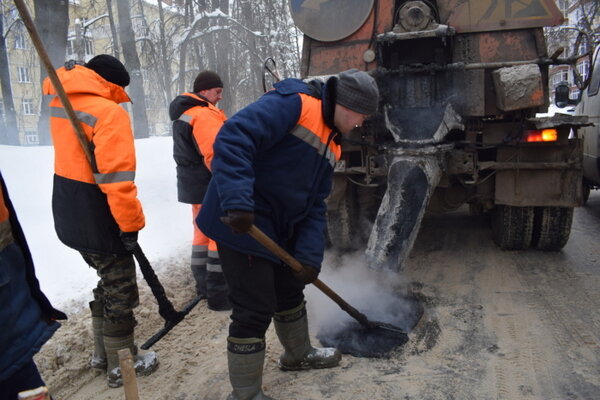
<point x="291" y="327"/>
<point x="245" y="358"/>
<point x="199" y="273"/>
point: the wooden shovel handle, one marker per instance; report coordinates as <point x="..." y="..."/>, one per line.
<point x="128" y="374"/>
<point x="284" y="256"/>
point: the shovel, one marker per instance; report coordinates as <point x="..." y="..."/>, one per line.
<point x="294" y="264"/>
<point x="165" y="307"/>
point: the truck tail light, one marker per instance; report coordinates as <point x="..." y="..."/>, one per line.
<point x="540" y="135"/>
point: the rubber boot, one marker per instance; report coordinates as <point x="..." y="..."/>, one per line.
<point x="98" y="360"/>
<point x="117" y="338"/>
<point x="245" y="358"/>
<point x="291" y="327"/>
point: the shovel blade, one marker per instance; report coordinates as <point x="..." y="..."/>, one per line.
<point x="170" y="324"/>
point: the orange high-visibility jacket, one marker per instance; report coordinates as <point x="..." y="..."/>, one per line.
<point x="92" y="203"/>
<point x="196" y="123"/>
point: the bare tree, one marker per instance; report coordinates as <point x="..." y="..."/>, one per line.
<point x="52" y="22"/>
<point x="583" y="13"/>
<point x="166" y="60"/>
<point x="10" y="132"/>
<point x="132" y="63"/>
<point x="113" y="28"/>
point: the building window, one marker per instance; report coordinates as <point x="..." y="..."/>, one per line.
<point x="19" y="39"/>
<point x="89" y="47"/>
<point x="584" y="69"/>
<point x="70" y="48"/>
<point x="575" y="94"/>
<point x="561" y="76"/>
<point x="27" y="105"/>
<point x="31" y="137"/>
<point x="23" y="73"/>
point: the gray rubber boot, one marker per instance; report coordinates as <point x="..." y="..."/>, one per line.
<point x="98" y="360"/>
<point x="119" y="336"/>
<point x="245" y="358"/>
<point x="291" y="327"/>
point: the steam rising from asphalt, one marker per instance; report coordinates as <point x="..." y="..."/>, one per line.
<point x="377" y="294"/>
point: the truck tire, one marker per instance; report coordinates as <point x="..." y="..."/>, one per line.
<point x="512" y="227"/>
<point x="349" y="224"/>
<point x="551" y="227"/>
<point x="586" y="188"/>
<point x="342" y="222"/>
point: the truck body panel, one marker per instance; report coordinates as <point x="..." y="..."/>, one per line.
<point x="460" y="83"/>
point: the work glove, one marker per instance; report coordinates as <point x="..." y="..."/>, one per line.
<point x="239" y="221"/>
<point x="130" y="240"/>
<point x="308" y="274"/>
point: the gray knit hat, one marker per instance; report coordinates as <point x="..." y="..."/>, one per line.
<point x="357" y="91"/>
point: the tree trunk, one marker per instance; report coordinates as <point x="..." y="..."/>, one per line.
<point x="166" y="68"/>
<point x="217" y="48"/>
<point x="52" y="23"/>
<point x="113" y="29"/>
<point x="10" y="133"/>
<point x="132" y="63"/>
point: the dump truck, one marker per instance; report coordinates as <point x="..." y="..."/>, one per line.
<point x="460" y="84"/>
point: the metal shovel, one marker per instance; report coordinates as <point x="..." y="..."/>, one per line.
<point x="165" y="307"/>
<point x="294" y="264"/>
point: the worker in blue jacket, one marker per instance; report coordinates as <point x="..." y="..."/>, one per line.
<point x="273" y="165"/>
<point x="28" y="318"/>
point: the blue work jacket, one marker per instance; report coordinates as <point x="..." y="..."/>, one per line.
<point x="276" y="158"/>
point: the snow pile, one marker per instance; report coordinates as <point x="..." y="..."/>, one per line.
<point x="63" y="275"/>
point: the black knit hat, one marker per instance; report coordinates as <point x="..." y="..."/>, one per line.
<point x="110" y="69"/>
<point x="357" y="90"/>
<point x="207" y="80"/>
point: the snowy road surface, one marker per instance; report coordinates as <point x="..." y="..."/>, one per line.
<point x="498" y="325"/>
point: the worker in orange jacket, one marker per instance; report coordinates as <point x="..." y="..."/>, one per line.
<point x="95" y="206"/>
<point x="196" y="122"/>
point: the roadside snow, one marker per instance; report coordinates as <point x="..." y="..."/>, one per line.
<point x="63" y="275"/>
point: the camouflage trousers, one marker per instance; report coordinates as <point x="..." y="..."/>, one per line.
<point x="117" y="292"/>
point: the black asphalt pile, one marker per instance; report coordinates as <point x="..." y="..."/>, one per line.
<point x="358" y="341"/>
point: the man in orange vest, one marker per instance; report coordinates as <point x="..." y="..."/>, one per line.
<point x="28" y="318"/>
<point x="273" y="166"/>
<point x="95" y="205"/>
<point x="196" y="122"/>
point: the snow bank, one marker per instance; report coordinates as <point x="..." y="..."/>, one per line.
<point x="63" y="275"/>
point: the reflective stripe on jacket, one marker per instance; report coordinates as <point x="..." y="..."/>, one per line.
<point x="29" y="319"/>
<point x="196" y="123"/>
<point x="275" y="158"/>
<point x="91" y="203"/>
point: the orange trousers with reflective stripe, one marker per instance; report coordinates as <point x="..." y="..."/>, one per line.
<point x="200" y="239"/>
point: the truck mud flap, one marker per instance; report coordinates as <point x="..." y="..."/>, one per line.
<point x="410" y="185"/>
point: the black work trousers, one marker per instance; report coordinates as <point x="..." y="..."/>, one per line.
<point x="258" y="288"/>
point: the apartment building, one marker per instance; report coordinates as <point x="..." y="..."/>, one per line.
<point x="89" y="35"/>
<point x="574" y="11"/>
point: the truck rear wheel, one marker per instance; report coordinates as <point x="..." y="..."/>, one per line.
<point x="349" y="223"/>
<point x="587" y="188"/>
<point x="512" y="227"/>
<point x="552" y="227"/>
<point x="342" y="222"/>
